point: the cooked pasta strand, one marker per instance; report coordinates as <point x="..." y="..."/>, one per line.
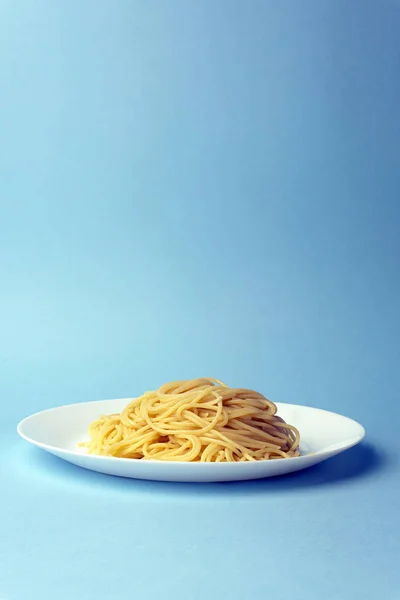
<point x="197" y="420"/>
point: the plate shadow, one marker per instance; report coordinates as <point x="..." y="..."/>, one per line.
<point x="361" y="462"/>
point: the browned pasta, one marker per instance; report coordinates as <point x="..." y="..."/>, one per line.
<point x="198" y="420"/>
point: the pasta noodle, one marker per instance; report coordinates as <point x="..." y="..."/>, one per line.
<point x="199" y="420"/>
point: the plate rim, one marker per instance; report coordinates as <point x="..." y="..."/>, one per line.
<point x="49" y="447"/>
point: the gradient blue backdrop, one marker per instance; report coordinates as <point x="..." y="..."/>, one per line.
<point x="200" y="188"/>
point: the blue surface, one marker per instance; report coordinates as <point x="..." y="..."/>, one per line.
<point x="200" y="188"/>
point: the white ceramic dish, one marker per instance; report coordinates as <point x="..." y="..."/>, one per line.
<point x="59" y="430"/>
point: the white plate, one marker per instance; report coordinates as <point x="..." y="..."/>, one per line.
<point x="59" y="430"/>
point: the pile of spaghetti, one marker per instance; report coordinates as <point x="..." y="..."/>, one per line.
<point x="201" y="420"/>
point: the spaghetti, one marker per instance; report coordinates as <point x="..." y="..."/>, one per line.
<point x="199" y="420"/>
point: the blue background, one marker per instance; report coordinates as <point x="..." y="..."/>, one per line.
<point x="187" y="189"/>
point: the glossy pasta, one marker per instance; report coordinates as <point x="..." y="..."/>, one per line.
<point x="199" y="420"/>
